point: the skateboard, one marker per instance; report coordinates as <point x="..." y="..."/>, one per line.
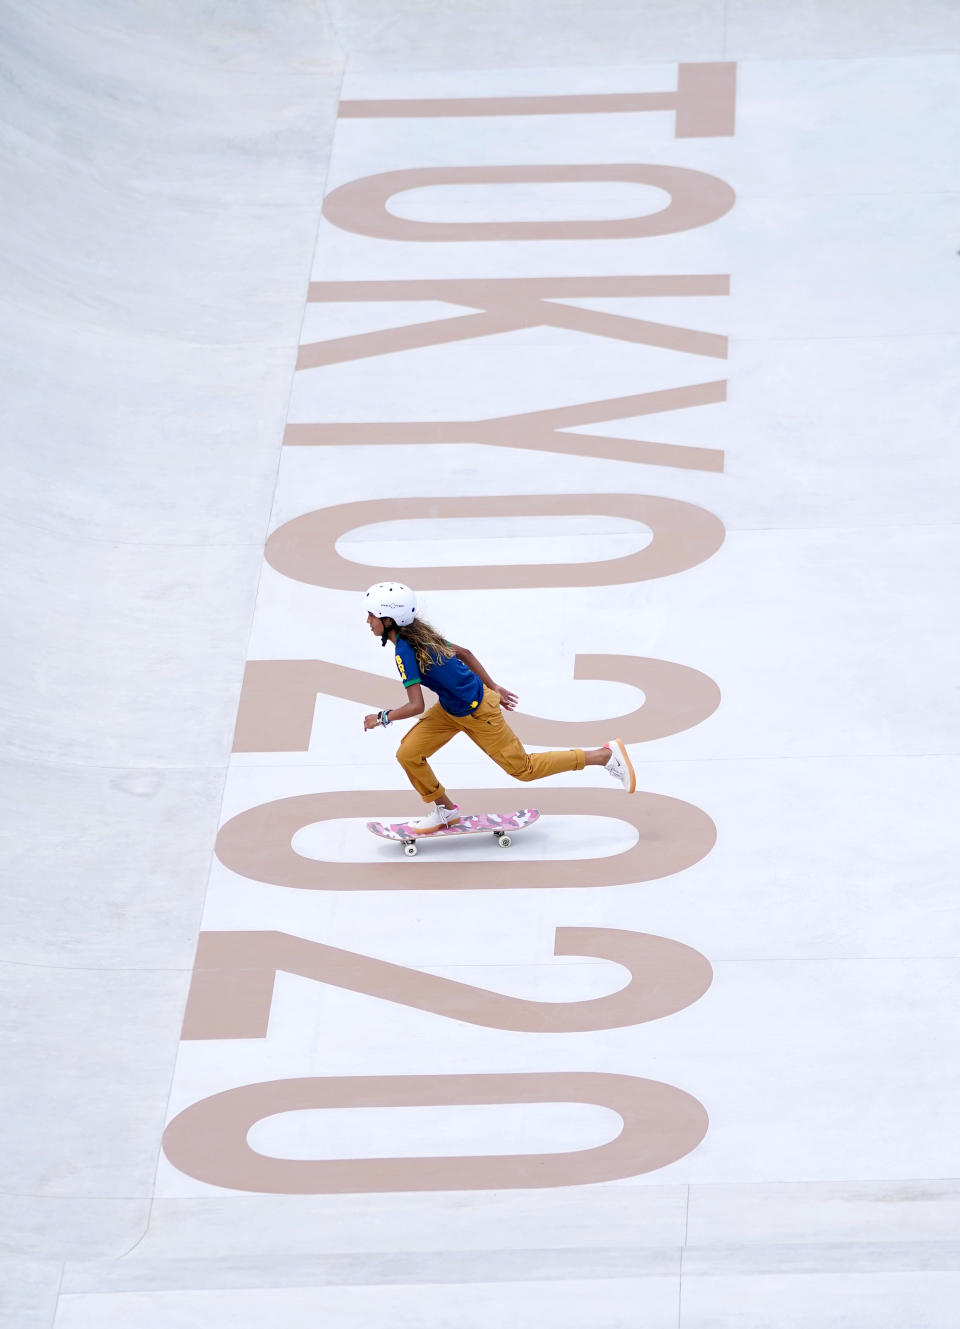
<point x="500" y="824"/>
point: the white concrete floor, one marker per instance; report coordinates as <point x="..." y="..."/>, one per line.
<point x="161" y="181"/>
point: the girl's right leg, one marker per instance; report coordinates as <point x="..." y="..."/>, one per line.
<point x="490" y="731"/>
<point x="488" y="728"/>
<point x="426" y="737"/>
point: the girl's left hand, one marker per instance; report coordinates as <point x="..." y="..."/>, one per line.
<point x="371" y="722"/>
<point x="508" y="700"/>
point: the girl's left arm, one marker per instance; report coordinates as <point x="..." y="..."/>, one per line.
<point x="414" y="706"/>
<point x="507" y="699"/>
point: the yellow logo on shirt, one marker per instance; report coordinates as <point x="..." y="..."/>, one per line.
<point x="403" y="672"/>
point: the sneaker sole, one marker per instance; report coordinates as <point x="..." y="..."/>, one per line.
<point x="625" y="758"/>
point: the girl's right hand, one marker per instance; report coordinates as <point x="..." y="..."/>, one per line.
<point x="508" y="700"/>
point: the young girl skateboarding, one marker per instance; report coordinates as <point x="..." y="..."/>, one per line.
<point x="468" y="701"/>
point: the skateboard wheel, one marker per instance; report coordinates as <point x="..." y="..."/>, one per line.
<point x="504" y="841"/>
<point x="410" y="850"/>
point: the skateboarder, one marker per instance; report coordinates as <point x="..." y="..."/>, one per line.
<point x="468" y="701"/>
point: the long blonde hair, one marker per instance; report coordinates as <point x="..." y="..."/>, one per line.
<point x="428" y="645"/>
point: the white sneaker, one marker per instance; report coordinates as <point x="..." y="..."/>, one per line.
<point x="620" y="766"/>
<point x="435" y="821"/>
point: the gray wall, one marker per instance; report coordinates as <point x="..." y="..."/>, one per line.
<point x="161" y="175"/>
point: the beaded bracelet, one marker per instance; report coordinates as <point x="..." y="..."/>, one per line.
<point x="384" y="717"/>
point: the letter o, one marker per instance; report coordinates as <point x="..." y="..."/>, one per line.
<point x="684" y="535"/>
<point x="208" y="1140"/>
<point x="695" y="200"/>
<point x="257" y="844"/>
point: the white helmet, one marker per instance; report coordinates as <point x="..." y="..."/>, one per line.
<point x="391" y="599"/>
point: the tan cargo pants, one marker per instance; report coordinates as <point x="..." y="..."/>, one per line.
<point x="487" y="727"/>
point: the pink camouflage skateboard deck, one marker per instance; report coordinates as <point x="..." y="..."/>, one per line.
<point x="499" y="824"/>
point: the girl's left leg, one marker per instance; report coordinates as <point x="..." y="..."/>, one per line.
<point x="425" y="738"/>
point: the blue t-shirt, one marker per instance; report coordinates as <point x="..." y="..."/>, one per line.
<point x="459" y="690"/>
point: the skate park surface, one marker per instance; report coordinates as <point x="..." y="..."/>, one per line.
<point x="681" y="1059"/>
